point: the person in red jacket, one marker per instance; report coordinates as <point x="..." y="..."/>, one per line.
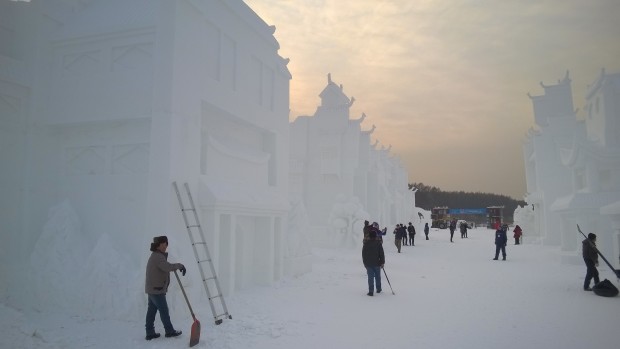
<point x="518" y="232"/>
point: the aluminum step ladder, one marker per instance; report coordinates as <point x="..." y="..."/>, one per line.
<point x="201" y="252"/>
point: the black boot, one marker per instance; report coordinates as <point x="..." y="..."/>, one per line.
<point x="152" y="336"/>
<point x="174" y="334"/>
<point x="369" y="294"/>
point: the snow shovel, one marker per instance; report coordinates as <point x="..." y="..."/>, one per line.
<point x="194" y="336"/>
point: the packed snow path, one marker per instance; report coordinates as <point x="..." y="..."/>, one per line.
<point x="448" y="295"/>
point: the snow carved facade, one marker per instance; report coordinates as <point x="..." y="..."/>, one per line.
<point x="104" y="103"/>
<point x="573" y="167"/>
<point x="341" y="177"/>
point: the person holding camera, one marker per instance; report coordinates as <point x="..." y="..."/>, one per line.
<point x="156" y="285"/>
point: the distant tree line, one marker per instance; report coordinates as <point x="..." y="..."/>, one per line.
<point x="428" y="197"/>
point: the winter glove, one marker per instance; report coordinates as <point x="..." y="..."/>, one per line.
<point x="182" y="270"/>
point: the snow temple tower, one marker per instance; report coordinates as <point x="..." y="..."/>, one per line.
<point x="594" y="162"/>
<point x="333" y="165"/>
<point x="104" y="103"/>
<point x="546" y="177"/>
<point x="587" y="153"/>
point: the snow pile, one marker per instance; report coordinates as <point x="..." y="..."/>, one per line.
<point x="68" y="275"/>
<point x="17" y="332"/>
<point x="57" y="261"/>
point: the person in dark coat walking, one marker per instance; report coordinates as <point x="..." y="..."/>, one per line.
<point x="374" y="259"/>
<point x="156" y="285"/>
<point x="463" y="228"/>
<point x="452" y="229"/>
<point x="426" y="230"/>
<point x="411" y="231"/>
<point x="398" y="237"/>
<point x="590" y="257"/>
<point x="518" y="232"/>
<point x="500" y="241"/>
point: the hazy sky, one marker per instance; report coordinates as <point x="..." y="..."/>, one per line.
<point x="445" y="81"/>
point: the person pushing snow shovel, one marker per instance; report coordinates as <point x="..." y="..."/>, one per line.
<point x="156" y="285"/>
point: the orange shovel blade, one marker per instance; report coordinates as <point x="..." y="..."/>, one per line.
<point x="194" y="337"/>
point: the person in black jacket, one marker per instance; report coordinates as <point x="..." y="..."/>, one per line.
<point x="374" y="259"/>
<point x="500" y="241"/>
<point x="452" y="229"/>
<point x="590" y="256"/>
<point x="366" y="230"/>
<point x="426" y="230"/>
<point x="411" y="231"/>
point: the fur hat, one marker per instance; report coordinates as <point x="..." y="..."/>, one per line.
<point x="158" y="240"/>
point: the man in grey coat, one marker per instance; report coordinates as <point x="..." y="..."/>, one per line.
<point x="156" y="285"/>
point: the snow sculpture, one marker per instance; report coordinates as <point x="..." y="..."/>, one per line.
<point x="107" y="102"/>
<point x="333" y="160"/>
<point x="347" y="221"/>
<point x="572" y="166"/>
<point x="525" y="218"/>
<point x="298" y="243"/>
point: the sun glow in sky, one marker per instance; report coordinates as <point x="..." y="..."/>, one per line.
<point x="445" y="81"/>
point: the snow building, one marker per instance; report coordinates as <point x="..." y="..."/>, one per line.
<point x="590" y="156"/>
<point x="104" y="103"/>
<point x="546" y="177"/>
<point x="339" y="177"/>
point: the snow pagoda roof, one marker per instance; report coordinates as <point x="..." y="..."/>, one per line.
<point x="332" y="95"/>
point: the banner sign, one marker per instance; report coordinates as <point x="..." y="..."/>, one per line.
<point x="467" y="211"/>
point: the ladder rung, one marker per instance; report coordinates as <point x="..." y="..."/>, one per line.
<point x="204" y="260"/>
<point x="193" y="226"/>
<point x="225" y="314"/>
<point x="219" y="295"/>
<point x="209" y="278"/>
<point x="188" y="209"/>
<point x="200" y="243"/>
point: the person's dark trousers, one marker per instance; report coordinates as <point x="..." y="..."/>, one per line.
<point x="451" y="235"/>
<point x="411" y="240"/>
<point x="500" y="248"/>
<point x="516" y="241"/>
<point x="590" y="273"/>
<point x="405" y="240"/>
<point x="426" y="235"/>
<point x="157" y="302"/>
<point x="374" y="278"/>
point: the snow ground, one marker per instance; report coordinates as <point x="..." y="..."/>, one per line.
<point x="448" y="295"/>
